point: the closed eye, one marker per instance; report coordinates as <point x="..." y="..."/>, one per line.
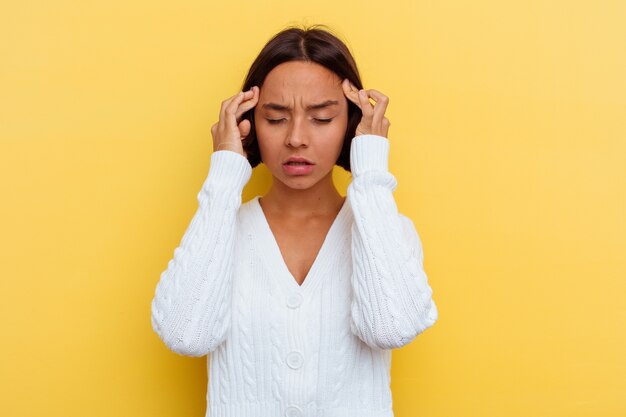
<point x="277" y="121"/>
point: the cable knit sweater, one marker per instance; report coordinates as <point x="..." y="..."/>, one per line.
<point x="277" y="348"/>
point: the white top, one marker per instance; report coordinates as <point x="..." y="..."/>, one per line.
<point x="322" y="349"/>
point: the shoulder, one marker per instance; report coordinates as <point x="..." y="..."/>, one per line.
<point x="247" y="209"/>
<point x="248" y="215"/>
<point x="247" y="206"/>
<point x="407" y="222"/>
<point x="409" y="229"/>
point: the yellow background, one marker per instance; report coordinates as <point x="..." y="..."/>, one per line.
<point x="508" y="140"/>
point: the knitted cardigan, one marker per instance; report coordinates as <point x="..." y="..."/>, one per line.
<point x="276" y="348"/>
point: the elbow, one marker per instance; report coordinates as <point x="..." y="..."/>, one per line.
<point x="399" y="334"/>
<point x="378" y="338"/>
<point x="427" y="319"/>
<point x="424" y="320"/>
<point x="179" y="347"/>
<point x="184" y="349"/>
<point x="185" y="341"/>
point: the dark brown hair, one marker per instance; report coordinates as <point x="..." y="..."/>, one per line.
<point x="311" y="44"/>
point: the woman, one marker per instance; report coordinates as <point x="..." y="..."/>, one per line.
<point x="301" y="294"/>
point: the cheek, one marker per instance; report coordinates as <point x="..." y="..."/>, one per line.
<point x="268" y="143"/>
<point x="266" y="137"/>
<point x="339" y="129"/>
<point x="330" y="143"/>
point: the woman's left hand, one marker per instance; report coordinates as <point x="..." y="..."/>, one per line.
<point x="373" y="121"/>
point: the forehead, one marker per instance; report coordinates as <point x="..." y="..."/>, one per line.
<point x="301" y="80"/>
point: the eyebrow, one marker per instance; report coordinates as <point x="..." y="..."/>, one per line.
<point x="275" y="106"/>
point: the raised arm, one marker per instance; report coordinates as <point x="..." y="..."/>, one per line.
<point x="192" y="301"/>
<point x="392" y="300"/>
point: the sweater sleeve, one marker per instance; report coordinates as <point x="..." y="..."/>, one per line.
<point x="392" y="299"/>
<point x="192" y="300"/>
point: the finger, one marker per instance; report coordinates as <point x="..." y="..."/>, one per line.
<point x="366" y="107"/>
<point x="380" y="107"/>
<point x="230" y="110"/>
<point x="223" y="107"/>
<point x="250" y="99"/>
<point x="385" y="124"/>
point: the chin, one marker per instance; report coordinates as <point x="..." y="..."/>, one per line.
<point x="298" y="183"/>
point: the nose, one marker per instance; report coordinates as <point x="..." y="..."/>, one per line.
<point x="297" y="135"/>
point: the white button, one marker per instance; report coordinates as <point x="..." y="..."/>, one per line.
<point x="294" y="300"/>
<point x="293" y="411"/>
<point x="295" y="359"/>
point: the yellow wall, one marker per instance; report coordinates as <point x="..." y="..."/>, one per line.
<point x="508" y="140"/>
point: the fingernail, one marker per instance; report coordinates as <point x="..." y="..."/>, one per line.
<point x="362" y="93"/>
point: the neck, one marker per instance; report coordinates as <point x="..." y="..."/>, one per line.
<point x="321" y="199"/>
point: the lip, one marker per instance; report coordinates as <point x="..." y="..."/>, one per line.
<point x="298" y="169"/>
<point x="298" y="159"/>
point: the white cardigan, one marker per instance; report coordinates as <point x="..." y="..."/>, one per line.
<point x="322" y="349"/>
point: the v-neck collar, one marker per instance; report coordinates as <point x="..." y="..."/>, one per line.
<point x="274" y="257"/>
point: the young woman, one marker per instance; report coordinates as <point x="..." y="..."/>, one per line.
<point x="301" y="294"/>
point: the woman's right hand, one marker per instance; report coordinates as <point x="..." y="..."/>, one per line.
<point x="230" y="130"/>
